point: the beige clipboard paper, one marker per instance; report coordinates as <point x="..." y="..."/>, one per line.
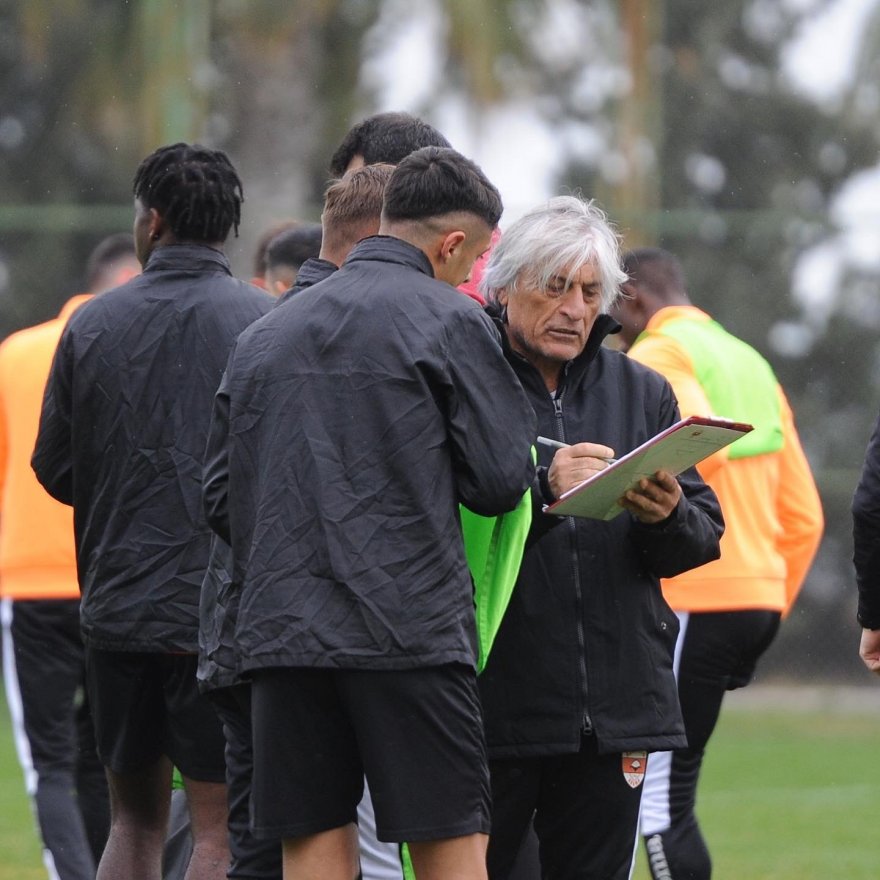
<point x="674" y="450"/>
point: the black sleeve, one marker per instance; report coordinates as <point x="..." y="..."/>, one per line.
<point x="492" y="425"/>
<point x="52" y="459"/>
<point x="690" y="536"/>
<point x="866" y="534"/>
<point x="215" y="477"/>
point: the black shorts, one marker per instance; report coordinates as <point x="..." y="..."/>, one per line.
<point x="146" y="705"/>
<point x="416" y="734"/>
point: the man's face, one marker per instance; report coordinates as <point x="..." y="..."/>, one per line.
<point x="627" y="310"/>
<point x="550" y="325"/>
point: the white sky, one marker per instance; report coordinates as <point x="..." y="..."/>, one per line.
<point x="521" y="155"/>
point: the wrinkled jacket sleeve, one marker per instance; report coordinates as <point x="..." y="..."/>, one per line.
<point x="492" y="425"/>
<point x="215" y="477"/>
<point x="52" y="460"/>
<point x="690" y="536"/>
<point x="866" y="534"/>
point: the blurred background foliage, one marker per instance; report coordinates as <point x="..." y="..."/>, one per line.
<point x="680" y="116"/>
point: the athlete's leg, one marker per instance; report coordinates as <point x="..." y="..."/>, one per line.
<point x="43" y="663"/>
<point x="139" y="803"/>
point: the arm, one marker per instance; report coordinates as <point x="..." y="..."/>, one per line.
<point x="52" y="460"/>
<point x="866" y="556"/>
<point x="491" y="425"/>
<point x="798" y="506"/>
<point x="215" y="476"/>
<point x="690" y="535"/>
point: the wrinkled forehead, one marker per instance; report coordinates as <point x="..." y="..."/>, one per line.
<point x="541" y="274"/>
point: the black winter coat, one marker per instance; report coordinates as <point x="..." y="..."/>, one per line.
<point x="351" y="422"/>
<point x="122" y="438"/>
<point x="587" y="641"/>
<point x="866" y="534"/>
<point x="218" y="607"/>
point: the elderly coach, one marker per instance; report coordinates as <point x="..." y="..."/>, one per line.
<point x="579" y="686"/>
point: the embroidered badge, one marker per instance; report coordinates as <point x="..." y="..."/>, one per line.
<point x="634" y="765"/>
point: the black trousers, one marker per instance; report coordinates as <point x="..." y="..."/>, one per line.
<point x="585" y="815"/>
<point x="251" y="858"/>
<point x="44" y="677"/>
<point x="716" y="652"/>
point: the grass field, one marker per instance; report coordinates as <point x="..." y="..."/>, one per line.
<point x="787" y="794"/>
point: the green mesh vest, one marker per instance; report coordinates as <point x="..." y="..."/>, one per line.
<point x="739" y="383"/>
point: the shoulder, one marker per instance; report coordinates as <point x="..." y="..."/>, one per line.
<point x="625" y="368"/>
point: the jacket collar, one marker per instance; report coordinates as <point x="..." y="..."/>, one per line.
<point x="312" y="271"/>
<point x="188" y="257"/>
<point x="388" y="249"/>
<point x="573" y="372"/>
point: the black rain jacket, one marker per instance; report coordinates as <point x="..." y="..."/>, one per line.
<point x="587" y="642"/>
<point x="122" y="438"/>
<point x="351" y="422"/>
<point x="866" y="534"/>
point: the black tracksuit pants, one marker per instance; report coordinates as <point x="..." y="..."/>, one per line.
<point x="44" y="677"/>
<point x="716" y="652"/>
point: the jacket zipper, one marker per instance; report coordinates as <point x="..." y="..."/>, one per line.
<point x="586" y="722"/>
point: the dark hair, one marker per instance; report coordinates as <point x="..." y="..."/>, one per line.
<point x="385" y="137"/>
<point x="658" y="270"/>
<point x="196" y="190"/>
<point x="108" y="251"/>
<point x="434" y="181"/>
<point x="352" y="203"/>
<point x="294" y="246"/>
<point x="266" y="238"/>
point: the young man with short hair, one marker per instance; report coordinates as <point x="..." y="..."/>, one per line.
<point x="349" y="426"/>
<point x="122" y="438"/>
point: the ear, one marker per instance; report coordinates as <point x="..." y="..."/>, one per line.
<point x="502" y="297"/>
<point x="156" y="227"/>
<point x="451" y="244"/>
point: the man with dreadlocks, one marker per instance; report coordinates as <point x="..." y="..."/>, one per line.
<point x="122" y="437"/>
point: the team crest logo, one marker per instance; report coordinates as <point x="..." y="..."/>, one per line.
<point x="634" y="765"/>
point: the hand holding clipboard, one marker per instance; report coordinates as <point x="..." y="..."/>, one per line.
<point x="674" y="450"/>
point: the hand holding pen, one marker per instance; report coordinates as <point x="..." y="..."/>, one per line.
<point x="572" y="464"/>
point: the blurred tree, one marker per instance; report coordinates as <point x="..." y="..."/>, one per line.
<point x="747" y="171"/>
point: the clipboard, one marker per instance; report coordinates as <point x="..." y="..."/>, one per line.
<point x="674" y="450"/>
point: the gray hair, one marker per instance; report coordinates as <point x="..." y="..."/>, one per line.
<point x="566" y="232"/>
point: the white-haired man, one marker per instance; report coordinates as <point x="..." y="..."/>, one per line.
<point x="579" y="685"/>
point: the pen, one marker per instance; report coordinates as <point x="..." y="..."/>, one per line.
<point x="558" y="444"/>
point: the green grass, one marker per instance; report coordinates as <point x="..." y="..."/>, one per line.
<point x="785" y="795"/>
<point x="790" y="796"/>
<point x="20" y="857"/>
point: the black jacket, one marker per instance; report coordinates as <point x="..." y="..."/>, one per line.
<point x="866" y="534"/>
<point x="587" y="641"/>
<point x="218" y="605"/>
<point x="122" y="438"/>
<point x="351" y="422"/>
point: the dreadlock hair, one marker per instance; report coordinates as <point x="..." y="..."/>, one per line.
<point x="196" y="190"/>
